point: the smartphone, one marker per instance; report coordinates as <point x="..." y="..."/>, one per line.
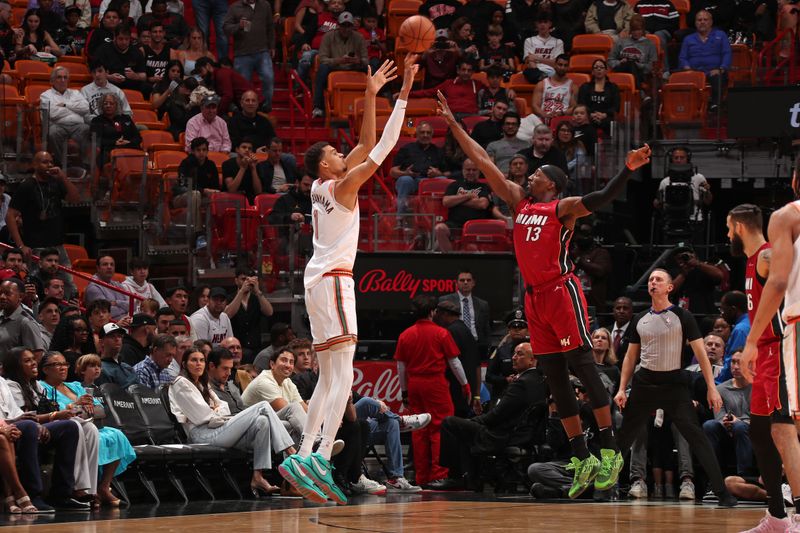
<point x="173" y="85"/>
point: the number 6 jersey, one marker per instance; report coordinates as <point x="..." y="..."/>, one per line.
<point x="541" y="242"/>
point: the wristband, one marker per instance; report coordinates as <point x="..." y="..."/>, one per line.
<point x="476" y="397"/>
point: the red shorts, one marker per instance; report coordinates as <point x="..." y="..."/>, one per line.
<point x="557" y="318"/>
<point x="769" y="395"/>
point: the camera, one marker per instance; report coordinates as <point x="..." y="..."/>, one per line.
<point x="441" y="44"/>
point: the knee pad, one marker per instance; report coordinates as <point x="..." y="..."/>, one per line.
<point x="582" y="363"/>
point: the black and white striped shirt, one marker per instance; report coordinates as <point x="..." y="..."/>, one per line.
<point x="662" y="336"/>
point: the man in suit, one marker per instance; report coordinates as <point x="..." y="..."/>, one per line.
<point x="474" y="311"/>
<point x="623" y="313"/>
<point x="448" y="315"/>
<point x="504" y="425"/>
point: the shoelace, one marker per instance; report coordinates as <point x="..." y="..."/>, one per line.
<point x="575" y="465"/>
<point x="605" y="466"/>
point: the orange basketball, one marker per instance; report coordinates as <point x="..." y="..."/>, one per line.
<point x="416" y="34"/>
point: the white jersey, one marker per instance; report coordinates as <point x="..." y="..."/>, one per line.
<point x="549" y="48"/>
<point x="335" y="233"/>
<point x="206" y="327"/>
<point x="791" y="302"/>
<point x="556" y="97"/>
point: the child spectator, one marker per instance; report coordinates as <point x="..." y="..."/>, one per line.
<point x="495" y="53"/>
<point x="375" y="38"/>
<point x="137" y="283"/>
<point x="72" y="38"/>
<point x="149" y="307"/>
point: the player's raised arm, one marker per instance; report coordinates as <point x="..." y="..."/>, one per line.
<point x="366" y="139"/>
<point x="581" y="206"/>
<point x="510" y="192"/>
<point x="346" y="191"/>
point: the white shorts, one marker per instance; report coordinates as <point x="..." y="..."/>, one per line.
<point x="331" y="306"/>
<point x="790" y="354"/>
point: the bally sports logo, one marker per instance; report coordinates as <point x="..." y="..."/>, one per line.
<point x="379" y="380"/>
<point x="379" y="281"/>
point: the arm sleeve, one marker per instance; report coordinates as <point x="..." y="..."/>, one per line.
<point x="391" y="132"/>
<point x="458" y="370"/>
<point x="615" y="186"/>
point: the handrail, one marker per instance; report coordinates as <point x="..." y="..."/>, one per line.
<point x="91" y="279"/>
<point x="304" y="107"/>
<point x="768" y="53"/>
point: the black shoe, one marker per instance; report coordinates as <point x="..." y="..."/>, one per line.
<point x="42" y="506"/>
<point x="444" y="484"/>
<point x="726" y="499"/>
<point x="543" y="492"/>
<point x="69" y="504"/>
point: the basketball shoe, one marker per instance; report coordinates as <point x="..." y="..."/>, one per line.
<point x="770" y="524"/>
<point x="585" y="473"/>
<point x="296" y="476"/>
<point x="611" y="463"/>
<point x="320" y="471"/>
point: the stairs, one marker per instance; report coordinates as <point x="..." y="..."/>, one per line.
<point x="304" y="132"/>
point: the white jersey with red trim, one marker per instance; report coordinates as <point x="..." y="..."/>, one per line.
<point x="336" y="231"/>
<point x="791" y="302"/>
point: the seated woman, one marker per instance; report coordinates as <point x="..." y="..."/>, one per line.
<point x="575" y="153"/>
<point x="169" y="84"/>
<point x="87" y="369"/>
<point x="600" y="96"/>
<point x="16" y="499"/>
<point x="113" y="130"/>
<point x="71" y="480"/>
<point x="194" y="47"/>
<point x="179" y="108"/>
<point x="207" y="420"/>
<point x="115" y="452"/>
<point x="71" y="338"/>
<point x="34" y="38"/>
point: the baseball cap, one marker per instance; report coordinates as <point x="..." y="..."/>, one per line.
<point x="442" y="34"/>
<point x="516" y="319"/>
<point x="450" y="307"/>
<point x="209" y="100"/>
<point x="345" y="17"/>
<point x="216" y="292"/>
<point x="111" y="329"/>
<point x="140" y="319"/>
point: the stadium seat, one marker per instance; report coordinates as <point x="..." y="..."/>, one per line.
<point x="167" y="160"/>
<point x="627" y="92"/>
<point x="695" y="77"/>
<point x="399" y="59"/>
<point x="471" y="121"/>
<point x="13" y="109"/>
<point x="33" y="117"/>
<point x="78" y="72"/>
<point x="583" y="62"/>
<point x="659" y="66"/>
<point x="598" y="43"/>
<point x="485" y="236"/>
<point x="523" y="107"/>
<point x="682" y="104"/>
<point x="220" y="201"/>
<point x="481" y="77"/>
<point x="420" y="107"/>
<point x="149" y="119"/>
<point x="439" y="125"/>
<point x="683" y="7"/>
<point x="743" y="66"/>
<point x="430" y="192"/>
<point x="75" y="252"/>
<point x="382" y="108"/>
<point x="73" y="59"/>
<point x="30" y="71"/>
<point x="286" y="39"/>
<point x="522" y="88"/>
<point x="218" y="158"/>
<point x="579" y="78"/>
<point x="343" y="88"/>
<point x="555" y="122"/>
<point x="399" y="10"/>
<point x="158" y="140"/>
<point x="229" y="238"/>
<point x="265" y="202"/>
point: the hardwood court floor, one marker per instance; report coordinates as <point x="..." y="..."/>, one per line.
<point x="438" y="513"/>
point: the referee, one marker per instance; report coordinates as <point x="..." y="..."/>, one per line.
<point x="658" y="335"/>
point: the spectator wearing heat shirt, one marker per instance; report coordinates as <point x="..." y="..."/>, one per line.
<point x="557" y="95"/>
<point x="105" y="273"/>
<point x="610" y="17"/>
<point x="541" y="50"/>
<point x="634" y="54"/>
<point x="465" y="199"/>
<point x="125" y="63"/>
<point x="137" y="282"/>
<point x="708" y="51"/>
<point x="208" y="125"/>
<point x="461" y="92"/>
<point x="441" y="12"/>
<point x="375" y="38"/>
<point x="210" y="322"/>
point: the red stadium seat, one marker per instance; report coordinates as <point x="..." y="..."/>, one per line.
<point x="265" y="202"/>
<point x="485" y="236"/>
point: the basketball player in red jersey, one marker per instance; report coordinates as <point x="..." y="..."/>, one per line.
<point x="554" y="302"/>
<point x="783" y="285"/>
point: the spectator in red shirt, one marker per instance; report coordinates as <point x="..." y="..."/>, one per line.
<point x="422" y="352"/>
<point x="375" y="38"/>
<point x="226" y="82"/>
<point x="461" y="92"/>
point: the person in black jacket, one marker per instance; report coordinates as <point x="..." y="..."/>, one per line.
<point x="294" y="208"/>
<point x="448" y="315"/>
<point x="600" y="96"/>
<point x="113" y="130"/>
<point x="462" y="439"/>
<point x="500" y="371"/>
<point x="279" y="171"/>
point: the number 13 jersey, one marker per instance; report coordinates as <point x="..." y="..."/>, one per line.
<point x="541" y="242"/>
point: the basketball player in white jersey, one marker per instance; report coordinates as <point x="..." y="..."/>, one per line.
<point x="557" y="95"/>
<point x="329" y="287"/>
<point x="783" y="285"/>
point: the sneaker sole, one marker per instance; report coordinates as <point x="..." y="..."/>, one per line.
<point x="325" y="487"/>
<point x="309" y="494"/>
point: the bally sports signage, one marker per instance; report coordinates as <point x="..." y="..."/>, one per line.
<point x="764" y="112"/>
<point x="388" y="281"/>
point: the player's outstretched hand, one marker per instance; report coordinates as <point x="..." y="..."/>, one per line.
<point x="444" y="109"/>
<point x="385" y="73"/>
<point x="638" y="158"/>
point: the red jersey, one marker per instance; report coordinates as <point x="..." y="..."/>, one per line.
<point x="754" y="286"/>
<point x="541" y="242"/>
<point x="424" y="348"/>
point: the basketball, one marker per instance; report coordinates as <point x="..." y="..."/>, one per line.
<point x="416" y="34"/>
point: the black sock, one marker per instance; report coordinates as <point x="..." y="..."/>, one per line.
<point x="797" y="505"/>
<point x="776" y="507"/>
<point x="607" y="439"/>
<point x="579" y="448"/>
